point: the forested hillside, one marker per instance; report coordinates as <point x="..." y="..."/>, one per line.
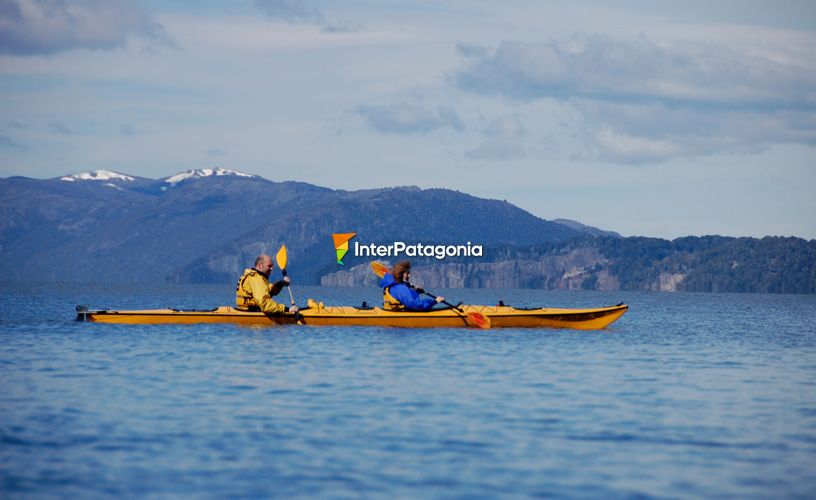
<point x="690" y="264"/>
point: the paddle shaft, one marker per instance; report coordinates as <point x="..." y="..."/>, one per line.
<point x="434" y="297"/>
<point x="291" y="297"/>
<point x="473" y="318"/>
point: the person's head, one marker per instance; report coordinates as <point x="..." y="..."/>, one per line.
<point x="264" y="264"/>
<point x="401" y="270"/>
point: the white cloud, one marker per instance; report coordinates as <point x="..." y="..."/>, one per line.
<point x="403" y="118"/>
<point x="633" y="148"/>
<point x="503" y="140"/>
<point x="32" y="27"/>
<point x="654" y="132"/>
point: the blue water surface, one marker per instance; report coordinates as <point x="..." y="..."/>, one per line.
<point x="687" y="395"/>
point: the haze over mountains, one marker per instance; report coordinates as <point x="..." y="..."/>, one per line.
<point x="207" y="225"/>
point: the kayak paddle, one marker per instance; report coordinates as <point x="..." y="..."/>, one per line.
<point x="379" y="269"/>
<point x="473" y="318"/>
<point x="281" y="258"/>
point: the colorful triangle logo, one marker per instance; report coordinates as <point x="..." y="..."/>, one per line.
<point x="341" y="244"/>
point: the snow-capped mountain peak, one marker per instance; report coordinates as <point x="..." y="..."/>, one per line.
<point x="97" y="175"/>
<point x="204" y="172"/>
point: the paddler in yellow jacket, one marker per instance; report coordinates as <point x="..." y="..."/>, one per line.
<point x="254" y="293"/>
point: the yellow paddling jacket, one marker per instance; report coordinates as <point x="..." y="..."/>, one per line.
<point x="254" y="293"/>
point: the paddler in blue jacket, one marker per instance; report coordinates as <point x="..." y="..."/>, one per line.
<point x="400" y="295"/>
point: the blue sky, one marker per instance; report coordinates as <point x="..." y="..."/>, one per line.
<point x="648" y="118"/>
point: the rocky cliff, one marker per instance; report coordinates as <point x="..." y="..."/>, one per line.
<point x="706" y="264"/>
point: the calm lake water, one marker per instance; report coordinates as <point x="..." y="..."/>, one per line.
<point x="687" y="395"/>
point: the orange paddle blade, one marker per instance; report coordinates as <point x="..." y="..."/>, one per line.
<point x="281" y="257"/>
<point x="379" y="269"/>
<point x="478" y="320"/>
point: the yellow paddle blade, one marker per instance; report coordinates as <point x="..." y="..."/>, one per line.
<point x="379" y="269"/>
<point x="281" y="257"/>
<point x="478" y="320"/>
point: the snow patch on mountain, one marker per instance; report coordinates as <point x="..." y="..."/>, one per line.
<point x="97" y="175"/>
<point x="204" y="172"/>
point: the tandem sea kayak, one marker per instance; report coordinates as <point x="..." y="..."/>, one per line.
<point x="319" y="315"/>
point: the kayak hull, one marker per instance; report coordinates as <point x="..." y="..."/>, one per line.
<point x="500" y="317"/>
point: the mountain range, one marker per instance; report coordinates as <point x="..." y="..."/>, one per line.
<point x="207" y="225"/>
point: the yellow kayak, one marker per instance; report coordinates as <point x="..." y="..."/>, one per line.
<point x="319" y="315"/>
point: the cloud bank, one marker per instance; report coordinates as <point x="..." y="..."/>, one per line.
<point x="608" y="69"/>
<point x="43" y="27"/>
<point x="641" y="102"/>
